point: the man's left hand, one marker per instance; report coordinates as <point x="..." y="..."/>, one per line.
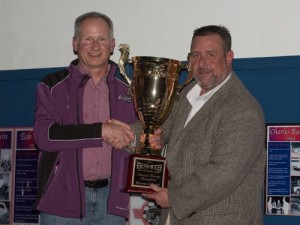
<point x="160" y="196"/>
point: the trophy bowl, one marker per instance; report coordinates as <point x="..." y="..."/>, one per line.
<point x="154" y="87"/>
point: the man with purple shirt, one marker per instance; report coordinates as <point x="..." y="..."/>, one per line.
<point x="79" y="173"/>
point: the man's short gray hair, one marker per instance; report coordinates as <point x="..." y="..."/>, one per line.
<point x="93" y="15"/>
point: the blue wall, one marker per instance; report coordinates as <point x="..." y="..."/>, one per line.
<point x="274" y="81"/>
<point x="17" y="95"/>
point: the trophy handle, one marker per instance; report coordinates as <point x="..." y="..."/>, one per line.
<point x="188" y="67"/>
<point x="124" y="58"/>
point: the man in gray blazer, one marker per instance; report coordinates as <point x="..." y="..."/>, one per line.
<point x="216" y="143"/>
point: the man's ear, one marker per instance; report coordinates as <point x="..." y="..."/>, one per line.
<point x="75" y="45"/>
<point x="113" y="44"/>
<point x="229" y="57"/>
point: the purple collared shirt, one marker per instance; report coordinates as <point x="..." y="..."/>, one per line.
<point x="97" y="160"/>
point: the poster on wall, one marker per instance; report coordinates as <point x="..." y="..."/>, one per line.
<point x="283" y="170"/>
<point x="18" y="172"/>
<point x="25" y="177"/>
<point x="6" y="171"/>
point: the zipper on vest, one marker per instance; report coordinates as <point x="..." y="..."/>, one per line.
<point x="51" y="177"/>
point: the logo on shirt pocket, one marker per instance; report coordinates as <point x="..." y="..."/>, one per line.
<point x="125" y="98"/>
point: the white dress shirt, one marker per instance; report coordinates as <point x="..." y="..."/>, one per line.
<point x="197" y="101"/>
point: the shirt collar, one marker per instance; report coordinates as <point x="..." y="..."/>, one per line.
<point x="194" y="96"/>
<point x="83" y="71"/>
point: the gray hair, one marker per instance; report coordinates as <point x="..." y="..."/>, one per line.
<point x="93" y="15"/>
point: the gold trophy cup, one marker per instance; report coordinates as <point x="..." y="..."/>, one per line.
<point x="155" y="87"/>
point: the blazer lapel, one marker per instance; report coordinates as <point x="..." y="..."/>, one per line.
<point x="180" y="112"/>
<point x="212" y="104"/>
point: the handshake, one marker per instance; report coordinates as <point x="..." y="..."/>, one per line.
<point x="120" y="135"/>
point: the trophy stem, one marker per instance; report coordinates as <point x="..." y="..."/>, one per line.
<point x="146" y="148"/>
<point x="147" y="132"/>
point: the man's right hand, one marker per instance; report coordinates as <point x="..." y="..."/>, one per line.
<point x="117" y="134"/>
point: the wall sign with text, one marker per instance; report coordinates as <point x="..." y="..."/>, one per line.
<point x="283" y="170"/>
<point x="18" y="176"/>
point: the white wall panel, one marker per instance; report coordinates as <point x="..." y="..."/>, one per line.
<point x="38" y="33"/>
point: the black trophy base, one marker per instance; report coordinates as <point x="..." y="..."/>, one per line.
<point x="144" y="170"/>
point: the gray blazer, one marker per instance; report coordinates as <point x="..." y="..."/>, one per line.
<point x="216" y="163"/>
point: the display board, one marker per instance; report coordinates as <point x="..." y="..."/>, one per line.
<point x="18" y="176"/>
<point x="283" y="170"/>
<point x="274" y="81"/>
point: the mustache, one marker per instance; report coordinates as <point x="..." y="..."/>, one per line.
<point x="203" y="70"/>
